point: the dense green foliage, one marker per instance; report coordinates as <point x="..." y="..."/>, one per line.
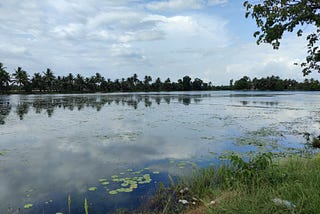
<point x="275" y="17"/>
<point x="20" y="81"/>
<point x="274" y="83"/>
<point x="4" y="78"/>
<point x="46" y="82"/>
<point x="261" y="184"/>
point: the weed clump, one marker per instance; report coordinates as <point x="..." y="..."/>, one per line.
<point x="259" y="184"/>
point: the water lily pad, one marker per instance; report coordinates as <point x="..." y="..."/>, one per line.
<point x="124" y="190"/>
<point x="146" y="176"/>
<point x="145" y="179"/>
<point x="113" y="192"/>
<point x="134" y="186"/>
<point x="102" y="180"/>
<point x="124" y="184"/>
<point x="181" y="165"/>
<point x="137" y="172"/>
<point x="28" y="206"/>
<point x="92" y="189"/>
<point x="156" y="172"/>
<point x="105" y="183"/>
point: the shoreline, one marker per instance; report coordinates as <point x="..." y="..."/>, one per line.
<point x="265" y="184"/>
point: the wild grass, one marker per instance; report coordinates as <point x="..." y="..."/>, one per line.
<point x="69" y="203"/>
<point x="259" y="185"/>
<point x="86" y="208"/>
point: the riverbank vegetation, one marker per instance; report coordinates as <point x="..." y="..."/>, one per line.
<point x="262" y="184"/>
<point x="47" y="82"/>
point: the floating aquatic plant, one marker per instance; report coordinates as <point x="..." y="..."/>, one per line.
<point x="128" y="184"/>
<point x="92" y="189"/>
<point x="102" y="180"/>
<point x="113" y="192"/>
<point x="105" y="183"/>
<point x="28" y="206"/>
<point x="181" y="164"/>
<point x="138" y="172"/>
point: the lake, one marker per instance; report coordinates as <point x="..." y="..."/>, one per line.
<point x="114" y="149"/>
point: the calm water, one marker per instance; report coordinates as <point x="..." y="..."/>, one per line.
<point x="55" y="146"/>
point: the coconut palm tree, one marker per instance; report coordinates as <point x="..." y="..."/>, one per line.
<point x="21" y="78"/>
<point x="79" y="83"/>
<point x="48" y="79"/>
<point x="4" y="78"/>
<point x="37" y="82"/>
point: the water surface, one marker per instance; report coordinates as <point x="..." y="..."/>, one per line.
<point x="55" y="146"/>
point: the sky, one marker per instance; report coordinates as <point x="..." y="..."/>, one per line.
<point x="207" y="39"/>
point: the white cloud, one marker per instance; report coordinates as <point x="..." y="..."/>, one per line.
<point x="126" y="55"/>
<point x="143" y="35"/>
<point x="217" y="2"/>
<point x="261" y="61"/>
<point x="122" y="37"/>
<point x="123" y="18"/>
<point x="69" y="30"/>
<point x="178" y="5"/>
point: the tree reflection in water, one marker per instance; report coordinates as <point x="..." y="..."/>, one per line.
<point x="49" y="103"/>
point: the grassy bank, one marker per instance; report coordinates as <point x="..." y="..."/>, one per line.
<point x="259" y="185"/>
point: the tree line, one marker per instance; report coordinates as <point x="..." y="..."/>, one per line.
<point x="46" y="82"/>
<point x="274" y="83"/>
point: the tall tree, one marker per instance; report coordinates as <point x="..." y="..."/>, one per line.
<point x="274" y="17"/>
<point x="37" y="82"/>
<point x="186" y="82"/>
<point x="48" y="79"/>
<point x="79" y="83"/>
<point x="197" y="84"/>
<point x="4" y="78"/>
<point x="21" y="77"/>
<point x="243" y="84"/>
